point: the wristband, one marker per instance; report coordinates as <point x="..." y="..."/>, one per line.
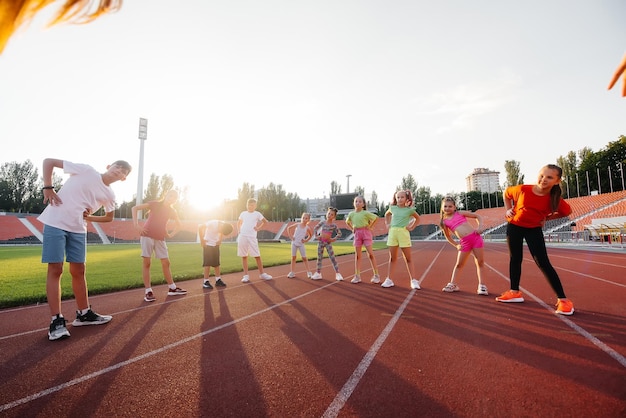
<point x="47" y="188"/>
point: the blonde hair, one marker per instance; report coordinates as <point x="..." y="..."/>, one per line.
<point x="16" y="13"/>
<point x="441" y="212"/>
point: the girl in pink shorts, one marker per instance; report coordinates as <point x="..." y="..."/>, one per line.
<point x="455" y="222"/>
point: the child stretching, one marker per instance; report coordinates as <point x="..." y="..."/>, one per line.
<point x="398" y="220"/>
<point x="455" y="222"/>
<point x="327" y="232"/>
<point x="528" y="206"/>
<point x="361" y="222"/>
<point x="300" y="233"/>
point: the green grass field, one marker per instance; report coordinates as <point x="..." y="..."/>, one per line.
<point x="117" y="267"/>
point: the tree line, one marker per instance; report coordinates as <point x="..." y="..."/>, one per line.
<point x="584" y="172"/>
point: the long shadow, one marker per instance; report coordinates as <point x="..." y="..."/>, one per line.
<point x="93" y="390"/>
<point x="228" y="386"/>
<point x="548" y="351"/>
<point x="335" y="357"/>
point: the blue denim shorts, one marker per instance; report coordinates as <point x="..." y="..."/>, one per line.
<point x="57" y="244"/>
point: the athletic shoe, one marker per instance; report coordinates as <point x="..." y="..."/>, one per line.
<point x="375" y="279"/>
<point x="149" y="297"/>
<point x="511" y="296"/>
<point x="207" y="284"/>
<point x="563" y="307"/>
<point x="316" y="276"/>
<point x="219" y="282"/>
<point x="338" y="277"/>
<point x="356" y="279"/>
<point x="309" y="274"/>
<point x="291" y="275"/>
<point x="90" y="318"/>
<point x="246" y="279"/>
<point x="415" y="284"/>
<point x="58" y="329"/>
<point x="176" y="292"/>
<point x="387" y="283"/>
<point x="265" y="276"/>
<point x="451" y="287"/>
<point x="482" y="290"/>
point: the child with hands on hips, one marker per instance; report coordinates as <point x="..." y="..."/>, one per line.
<point x="361" y="221"/>
<point x="456" y="222"/>
<point x="528" y="207"/>
<point x="401" y="218"/>
<point x="300" y="233"/>
<point x="328" y="232"/>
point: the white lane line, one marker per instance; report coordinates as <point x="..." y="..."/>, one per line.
<point x="144" y="356"/>
<point x="587" y="335"/>
<point x="348" y="388"/>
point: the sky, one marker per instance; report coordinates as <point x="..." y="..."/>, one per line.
<point x="304" y="93"/>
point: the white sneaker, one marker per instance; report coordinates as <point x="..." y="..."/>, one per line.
<point x="246" y="279"/>
<point x="265" y="276"/>
<point x="356" y="279"/>
<point x="291" y="275"/>
<point x="338" y="277"/>
<point x="376" y="279"/>
<point x="316" y="276"/>
<point x="387" y="283"/>
<point x="482" y="290"/>
<point x="309" y="274"/>
<point x="451" y="287"/>
<point x="415" y="284"/>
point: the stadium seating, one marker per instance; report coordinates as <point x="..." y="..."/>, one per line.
<point x="585" y="210"/>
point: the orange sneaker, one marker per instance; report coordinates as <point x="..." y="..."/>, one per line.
<point x="564" y="307"/>
<point x="511" y="296"/>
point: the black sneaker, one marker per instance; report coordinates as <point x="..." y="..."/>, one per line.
<point x="207" y="284"/>
<point x="90" y="318"/>
<point x="220" y="283"/>
<point x="58" y="329"/>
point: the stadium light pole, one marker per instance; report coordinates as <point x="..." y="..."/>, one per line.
<point x="348" y="186"/>
<point x="143" y="135"/>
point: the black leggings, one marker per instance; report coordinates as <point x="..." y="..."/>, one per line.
<point x="515" y="236"/>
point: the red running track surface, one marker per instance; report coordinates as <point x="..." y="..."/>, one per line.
<point x="303" y="348"/>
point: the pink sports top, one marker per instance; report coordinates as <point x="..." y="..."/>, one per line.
<point x="454" y="222"/>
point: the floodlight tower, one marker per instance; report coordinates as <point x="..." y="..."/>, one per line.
<point x="143" y="135"/>
<point x="348" y="185"/>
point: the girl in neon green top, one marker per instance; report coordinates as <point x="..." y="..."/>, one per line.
<point x="401" y="218"/>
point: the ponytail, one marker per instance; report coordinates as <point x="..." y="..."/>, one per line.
<point x="555" y="192"/>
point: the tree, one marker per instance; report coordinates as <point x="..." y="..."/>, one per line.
<point x="246" y="192"/>
<point x="335" y="188"/>
<point x="152" y="191"/>
<point x="423" y="202"/>
<point x="408" y="183"/>
<point x="569" y="164"/>
<point x="513" y="177"/>
<point x="20" y="182"/>
<point x="373" y="203"/>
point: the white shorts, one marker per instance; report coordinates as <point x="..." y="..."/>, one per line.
<point x="298" y="248"/>
<point x="248" y="246"/>
<point x="149" y="245"/>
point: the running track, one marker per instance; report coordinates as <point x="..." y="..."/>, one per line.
<point x="302" y="348"/>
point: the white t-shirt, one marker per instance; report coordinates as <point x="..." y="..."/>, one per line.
<point x="83" y="190"/>
<point x="212" y="233"/>
<point x="249" y="221"/>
